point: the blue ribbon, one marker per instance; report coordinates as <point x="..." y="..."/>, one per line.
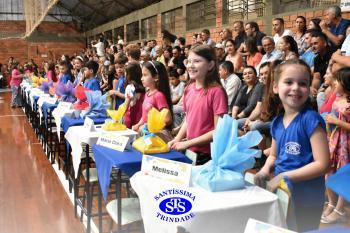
<point x="146" y="134"/>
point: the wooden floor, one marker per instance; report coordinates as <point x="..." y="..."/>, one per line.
<point x="32" y="199"/>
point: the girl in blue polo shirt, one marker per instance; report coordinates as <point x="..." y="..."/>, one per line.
<point x="299" y="150"/>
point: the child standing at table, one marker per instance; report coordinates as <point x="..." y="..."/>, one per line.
<point x="204" y="101"/>
<point x="339" y="143"/>
<point x="155" y="80"/>
<point x="90" y="80"/>
<point x="299" y="152"/>
<point x="134" y="94"/>
<point x="118" y="91"/>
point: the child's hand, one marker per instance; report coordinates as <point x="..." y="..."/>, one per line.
<point x="180" y="146"/>
<point x="331" y="119"/>
<point x="273" y="184"/>
<point x="172" y="143"/>
<point x="260" y="178"/>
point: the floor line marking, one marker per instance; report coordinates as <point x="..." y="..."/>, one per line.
<point x="12" y="115"/>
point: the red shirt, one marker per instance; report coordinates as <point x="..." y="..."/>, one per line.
<point x="200" y="108"/>
<point x="156" y="100"/>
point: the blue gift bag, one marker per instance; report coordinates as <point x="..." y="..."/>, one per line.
<point x="231" y="157"/>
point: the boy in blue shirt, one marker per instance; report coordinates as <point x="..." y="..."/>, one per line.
<point x="90" y="80"/>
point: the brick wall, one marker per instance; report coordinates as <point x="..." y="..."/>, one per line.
<point x="50" y="48"/>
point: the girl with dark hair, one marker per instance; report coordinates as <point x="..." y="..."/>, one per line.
<point x="299" y="36"/>
<point x="155" y="80"/>
<point x="134" y="94"/>
<point x="204" y="101"/>
<point x="338" y="123"/>
<point x="299" y="154"/>
<point x="289" y="47"/>
<point x="253" y="55"/>
<point x="167" y="55"/>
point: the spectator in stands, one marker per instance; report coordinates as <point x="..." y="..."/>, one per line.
<point x="167" y="55"/>
<point x="220" y="52"/>
<point x="238" y="33"/>
<point x="160" y="56"/>
<point x="152" y="46"/>
<point x="321" y="61"/>
<point x="90" y="79"/>
<point x="248" y="95"/>
<point x="341" y="58"/>
<point x="181" y="42"/>
<point x="252" y="29"/>
<point x="195" y="39"/>
<point x="176" y="86"/>
<point x="225" y="35"/>
<point x="100" y="47"/>
<point x="230" y="81"/>
<point x="314" y="24"/>
<point x="253" y="55"/>
<point x="205" y="35"/>
<point x="145" y="56"/>
<point x="334" y="26"/>
<point x="271" y="53"/>
<point x="278" y="28"/>
<point x="133" y="52"/>
<point x="233" y="56"/>
<point x="326" y="97"/>
<point x="289" y="48"/>
<point x="309" y="55"/>
<point x="177" y="60"/>
<point x="299" y="36"/>
<point x="120" y="40"/>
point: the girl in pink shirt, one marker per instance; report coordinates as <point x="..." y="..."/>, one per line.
<point x="16" y="79"/>
<point x="204" y="102"/>
<point x="155" y="80"/>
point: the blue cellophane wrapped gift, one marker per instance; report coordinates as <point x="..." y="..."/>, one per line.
<point x="97" y="105"/>
<point x="231" y="157"/>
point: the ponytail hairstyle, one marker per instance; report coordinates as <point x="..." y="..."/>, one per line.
<point x="133" y="74"/>
<point x="343" y="77"/>
<point x="159" y="73"/>
<point x="212" y="78"/>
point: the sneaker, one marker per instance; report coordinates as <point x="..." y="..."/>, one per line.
<point x="335" y="217"/>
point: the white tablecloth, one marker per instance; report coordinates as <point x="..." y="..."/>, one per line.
<point x="222" y="212"/>
<point x="42" y="99"/>
<point x="78" y="135"/>
<point x="58" y="114"/>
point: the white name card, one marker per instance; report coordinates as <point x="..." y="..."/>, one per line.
<point x="255" y="226"/>
<point x="165" y="169"/>
<point x="51" y="100"/>
<point x="109" y="140"/>
<point x="89" y="124"/>
<point x="64" y="105"/>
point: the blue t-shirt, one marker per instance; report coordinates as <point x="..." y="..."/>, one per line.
<point x="340" y="29"/>
<point x="308" y="57"/>
<point x="92" y="84"/>
<point x="65" y="78"/>
<point x="294" y="151"/>
<point x="120" y="87"/>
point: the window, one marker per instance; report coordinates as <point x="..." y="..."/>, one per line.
<point x="172" y="21"/>
<point x="201" y="14"/>
<point x="293" y="5"/>
<point x="133" y="31"/>
<point x="149" y="28"/>
<point x="242" y="10"/>
<point x="119" y="31"/>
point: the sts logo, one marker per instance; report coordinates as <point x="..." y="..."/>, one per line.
<point x="175" y="205"/>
